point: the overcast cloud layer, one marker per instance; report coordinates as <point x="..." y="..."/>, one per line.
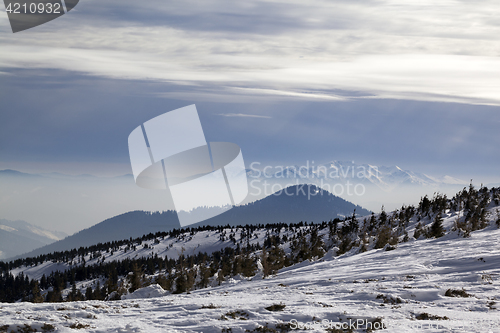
<point x="313" y="50"/>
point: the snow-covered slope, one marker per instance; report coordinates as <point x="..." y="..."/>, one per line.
<point x="445" y="284"/>
<point x="398" y="286"/>
<point x="189" y="243"/>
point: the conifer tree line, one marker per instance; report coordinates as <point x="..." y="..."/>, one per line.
<point x="283" y="245"/>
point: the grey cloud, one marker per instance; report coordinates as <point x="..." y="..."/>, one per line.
<point x="243" y="115"/>
<point x="419" y="52"/>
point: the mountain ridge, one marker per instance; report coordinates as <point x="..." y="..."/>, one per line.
<point x="385" y="177"/>
<point x="19" y="236"/>
<point x="322" y="206"/>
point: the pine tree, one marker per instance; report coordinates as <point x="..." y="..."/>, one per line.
<point x="73" y="294"/>
<point x="249" y="266"/>
<point x="437" y="229"/>
<point x="88" y="294"/>
<point x="112" y="281"/>
<point x="483" y="221"/>
<point x="418" y="231"/>
<point x="304" y="251"/>
<point x="316" y="242"/>
<point x="266" y="270"/>
<point x="54" y="296"/>
<point x="225" y="267"/>
<point x="353" y="222"/>
<point x="364" y="244"/>
<point x="237" y="266"/>
<point x="37" y="296"/>
<point x="163" y="282"/>
<point x="382" y="217"/>
<point x="190" y="279"/>
<point x="180" y="283"/>
<point x="79" y="295"/>
<point x="121" y="290"/>
<point x="276" y="259"/>
<point x="97" y="292"/>
<point x="424" y="205"/>
<point x="373" y="223"/>
<point x="204" y="276"/>
<point x="345" y="245"/>
<point x="383" y="237"/>
<point x="135" y="278"/>
<point x="332" y="228"/>
<point x="43" y="282"/>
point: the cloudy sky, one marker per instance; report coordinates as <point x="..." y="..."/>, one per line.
<point x="414" y="84"/>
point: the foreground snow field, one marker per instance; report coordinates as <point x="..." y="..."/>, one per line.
<point x="404" y="287"/>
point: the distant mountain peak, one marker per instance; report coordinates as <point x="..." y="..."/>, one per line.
<point x="17" y="237"/>
<point x="385" y="177"/>
<point x="11" y="172"/>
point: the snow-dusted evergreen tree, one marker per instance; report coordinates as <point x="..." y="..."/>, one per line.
<point x="437" y="229"/>
<point x="37" y="296"/>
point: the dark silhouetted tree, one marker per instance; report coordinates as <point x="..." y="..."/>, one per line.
<point x="437" y="229"/>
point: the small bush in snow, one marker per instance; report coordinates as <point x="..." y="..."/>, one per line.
<point x="390" y="299"/>
<point x="78" y="326"/>
<point x="426" y="316"/>
<point x="48" y="328"/>
<point x="238" y="314"/>
<point x="276" y="307"/>
<point x="457" y="293"/>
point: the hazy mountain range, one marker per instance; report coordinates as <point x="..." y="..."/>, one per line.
<point x="385" y="177"/>
<point x="296" y="207"/>
<point x="18" y="237"/>
<point x="71" y="203"/>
